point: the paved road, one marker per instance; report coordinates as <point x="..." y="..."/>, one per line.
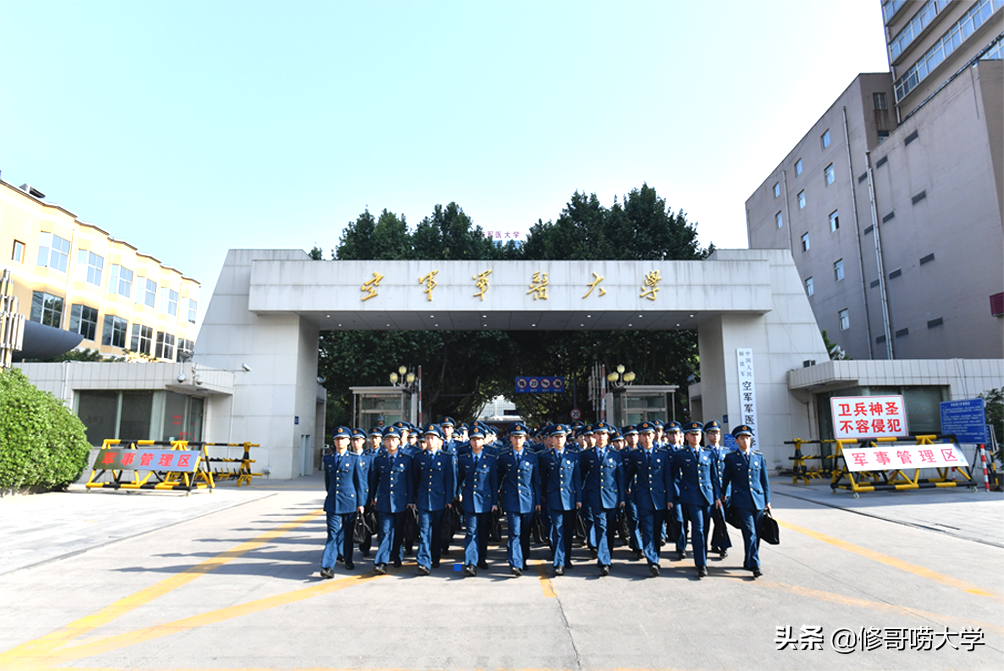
<point x="108" y="580"/>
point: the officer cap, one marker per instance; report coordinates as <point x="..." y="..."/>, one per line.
<point x="615" y="435"/>
<point x="586" y="430"/>
<point x="342" y="432"/>
<point x="476" y="432"/>
<point x="358" y="433"/>
<point x="376" y="431"/>
<point x="558" y="430"/>
<point x="601" y="427"/>
<point x="673" y="426"/>
<point x="693" y="427"/>
<point x="629" y="430"/>
<point x="517" y="429"/>
<point x="578" y="423"/>
<point x="446" y="421"/>
<point x="392" y="431"/>
<point x="713" y="425"/>
<point x="646" y="427"/>
<point x="659" y="422"/>
<point x="434" y="430"/>
<point x="742" y="430"/>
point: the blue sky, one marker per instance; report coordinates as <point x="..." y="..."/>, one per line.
<point x="188" y="128"/>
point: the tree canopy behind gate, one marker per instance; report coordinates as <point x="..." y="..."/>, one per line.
<point x="464" y="369"/>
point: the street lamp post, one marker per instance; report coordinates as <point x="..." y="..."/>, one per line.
<point x="619" y="380"/>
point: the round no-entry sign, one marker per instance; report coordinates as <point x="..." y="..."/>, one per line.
<point x="576" y="413"/>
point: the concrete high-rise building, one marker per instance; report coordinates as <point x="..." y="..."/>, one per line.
<point x="892" y="204"/>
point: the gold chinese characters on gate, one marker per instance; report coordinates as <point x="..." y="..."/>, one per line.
<point x="539" y="284"/>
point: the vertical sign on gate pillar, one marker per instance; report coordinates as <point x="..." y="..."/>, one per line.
<point x="747" y="390"/>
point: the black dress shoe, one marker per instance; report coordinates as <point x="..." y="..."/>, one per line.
<point x="397" y="563"/>
<point x="516" y="571"/>
<point x="423" y="570"/>
<point x="339" y="559"/>
<point x="381" y="569"/>
<point x="559" y="570"/>
<point x="470" y="570"/>
<point x="435" y="564"/>
<point x="680" y="555"/>
<point x="638" y="554"/>
<point x="722" y="554"/>
<point x="349" y="566"/>
<point x="653" y="569"/>
<point x="327" y="573"/>
<point x="483" y="565"/>
<point x="604" y="570"/>
<point x="592" y="553"/>
<point x="757" y="573"/>
<point x="702" y="571"/>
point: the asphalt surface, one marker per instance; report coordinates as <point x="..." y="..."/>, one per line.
<point x="229" y="580"/>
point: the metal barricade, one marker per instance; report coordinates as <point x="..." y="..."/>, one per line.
<point x="151" y="464"/>
<point x="240" y="469"/>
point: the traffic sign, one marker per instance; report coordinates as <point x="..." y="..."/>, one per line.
<point x="966" y="419"/>
<point x="576" y="413"/>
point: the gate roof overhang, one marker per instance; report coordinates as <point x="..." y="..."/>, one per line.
<point x="513" y="295"/>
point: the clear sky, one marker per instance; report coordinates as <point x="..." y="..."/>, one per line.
<point x="189" y="128"/>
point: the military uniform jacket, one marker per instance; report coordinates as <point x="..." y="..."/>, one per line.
<point x="343" y="480"/>
<point x="603" y="480"/>
<point x="720" y="453"/>
<point x="479" y="486"/>
<point x="748" y="477"/>
<point x="392" y="482"/>
<point x="365" y="465"/>
<point x="651" y="478"/>
<point x="519" y="481"/>
<point x="695" y="476"/>
<point x="435" y="480"/>
<point x="561" y="479"/>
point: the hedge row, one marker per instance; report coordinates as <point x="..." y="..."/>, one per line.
<point x="43" y="445"/>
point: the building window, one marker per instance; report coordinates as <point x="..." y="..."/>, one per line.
<point x="882" y="135"/>
<point x="798" y="167"/>
<point x="146" y="292"/>
<point x="142" y="339"/>
<point x="828" y="174"/>
<point x="834" y="220"/>
<point x="777" y="217"/>
<point x="919" y="197"/>
<point x="185" y="349"/>
<point x="90" y="267"/>
<point x="193" y="309"/>
<point x="120" y="282"/>
<point x="777" y="189"/>
<point x="932" y="323"/>
<point x="805" y="242"/>
<point x="801" y="200"/>
<point x="890" y="7"/>
<point x="845" y="319"/>
<point x="169" y="301"/>
<point x="46" y="309"/>
<point x="165" y="345"/>
<point x="84" y="320"/>
<point x="838" y="269"/>
<point x="878" y="99"/>
<point x="809" y="289"/>
<point x="53" y="252"/>
<point x="114" y="331"/>
<point x="916" y="26"/>
<point x="18" y="253"/>
<point x="902" y="332"/>
<point x="826" y="138"/>
<point x="927" y="259"/>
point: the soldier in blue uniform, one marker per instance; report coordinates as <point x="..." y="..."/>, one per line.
<point x="478" y="476"/>
<point x="717" y="534"/>
<point x="392" y="493"/>
<point x="649" y="471"/>
<point x="447" y="426"/>
<point x="561" y="486"/>
<point x="435" y="489"/>
<point x="630" y="507"/>
<point x="695" y="489"/>
<point x="376" y="438"/>
<point x="519" y="482"/>
<point x="365" y="456"/>
<point x="746" y="472"/>
<point x="344" y="500"/>
<point x="676" y="525"/>
<point x="602" y="492"/>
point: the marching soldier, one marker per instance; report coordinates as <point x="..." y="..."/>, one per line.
<point x="435" y="489"/>
<point x="478" y="473"/>
<point x="343" y="481"/>
<point x="561" y="485"/>
<point x="519" y="480"/>
<point x="365" y="462"/>
<point x="392" y="492"/>
<point x="719" y="537"/>
<point x="602" y="492"/>
<point x="695" y="489"/>
<point x="649" y="470"/>
<point x="630" y="507"/>
<point x="746" y="472"/>
<point x="676" y="526"/>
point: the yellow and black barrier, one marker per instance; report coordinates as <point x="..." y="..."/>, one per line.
<point x="224" y="467"/>
<point x="801" y="470"/>
<point x="896" y="479"/>
<point x="151" y="464"/>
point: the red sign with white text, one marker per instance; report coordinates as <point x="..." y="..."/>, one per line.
<point x="868" y="417"/>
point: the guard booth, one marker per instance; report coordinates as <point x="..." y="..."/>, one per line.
<point x="634" y="404"/>
<point x="370" y="405"/>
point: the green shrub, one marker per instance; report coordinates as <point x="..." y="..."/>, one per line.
<point x="43" y="445"/>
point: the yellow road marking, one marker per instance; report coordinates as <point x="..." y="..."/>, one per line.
<point x="111" y="643"/>
<point x="876" y="605"/>
<point x="41" y="646"/>
<point x="545" y="582"/>
<point x="892" y="561"/>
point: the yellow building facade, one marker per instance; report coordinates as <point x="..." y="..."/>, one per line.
<point x="74" y="276"/>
